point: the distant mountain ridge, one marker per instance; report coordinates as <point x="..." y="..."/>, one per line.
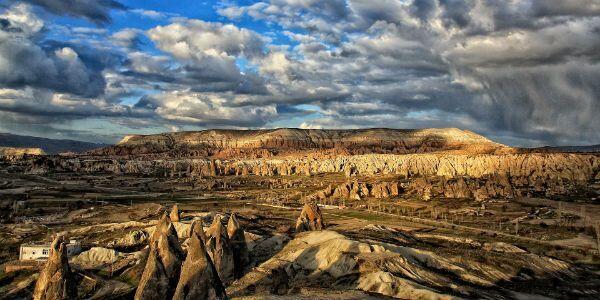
<point x="49" y="146"/>
<point x="588" y="148"/>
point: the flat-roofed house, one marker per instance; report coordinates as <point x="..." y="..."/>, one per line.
<point x="42" y="251"/>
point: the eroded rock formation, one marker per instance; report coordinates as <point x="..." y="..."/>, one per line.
<point x="238" y="245"/>
<point x="310" y="218"/>
<point x="568" y="167"/>
<point x="15" y="152"/>
<point x="331" y="259"/>
<point x="163" y="265"/>
<point x="56" y="281"/>
<point x="198" y="230"/>
<point x="220" y="250"/>
<point x="270" y="142"/>
<point x="175" y="214"/>
<point x="199" y="278"/>
<point x="354" y="190"/>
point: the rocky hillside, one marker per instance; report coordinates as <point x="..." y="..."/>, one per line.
<point x="270" y="142"/>
<point x="48" y="146"/>
<point x="559" y="166"/>
<point x="480" y="176"/>
<point x="19" y="152"/>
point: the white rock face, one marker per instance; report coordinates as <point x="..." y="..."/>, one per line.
<point x="326" y="259"/>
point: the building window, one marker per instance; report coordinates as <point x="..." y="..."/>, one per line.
<point x="45" y="252"/>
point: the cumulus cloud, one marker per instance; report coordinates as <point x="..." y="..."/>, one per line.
<point x="193" y="39"/>
<point x="206" y="109"/>
<point x="516" y="70"/>
<point x="148" y="13"/>
<point x="25" y="63"/>
<point x="128" y="38"/>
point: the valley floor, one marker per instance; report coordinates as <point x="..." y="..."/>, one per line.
<point x="498" y="248"/>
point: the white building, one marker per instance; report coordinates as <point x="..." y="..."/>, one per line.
<point x="42" y="251"/>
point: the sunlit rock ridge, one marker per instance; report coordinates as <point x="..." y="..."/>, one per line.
<point x="268" y="142"/>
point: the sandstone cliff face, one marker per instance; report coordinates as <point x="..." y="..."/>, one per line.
<point x="163" y="266"/>
<point x="310" y="219"/>
<point x="488" y="175"/>
<point x="220" y="251"/>
<point x="570" y="167"/>
<point x="359" y="141"/>
<point x="238" y="245"/>
<point x="199" y="278"/>
<point x="56" y="280"/>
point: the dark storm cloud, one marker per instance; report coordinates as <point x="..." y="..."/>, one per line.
<point x="566" y="8"/>
<point x="97" y="11"/>
<point x="525" y="67"/>
<point x="456" y="12"/>
<point x="423" y="9"/>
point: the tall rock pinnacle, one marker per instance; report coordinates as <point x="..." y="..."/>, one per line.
<point x="220" y="250"/>
<point x="175" y="214"/>
<point x="199" y="278"/>
<point x="310" y="218"/>
<point x="238" y="244"/>
<point x="56" y="280"/>
<point x="163" y="266"/>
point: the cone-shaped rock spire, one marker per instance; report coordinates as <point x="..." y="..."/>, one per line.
<point x="199" y="278"/>
<point x="175" y="216"/>
<point x="163" y="266"/>
<point x="310" y="219"/>
<point x="238" y="244"/>
<point x="56" y="280"/>
<point x="219" y="249"/>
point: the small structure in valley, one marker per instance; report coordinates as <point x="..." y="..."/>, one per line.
<point x="42" y="251"/>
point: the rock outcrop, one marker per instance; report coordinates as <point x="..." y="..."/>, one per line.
<point x="322" y="259"/>
<point x="354" y="190"/>
<point x="238" y="245"/>
<point x="310" y="219"/>
<point x="13" y="152"/>
<point x="56" y="281"/>
<point x="163" y="265"/>
<point x="197" y="230"/>
<point x="220" y="250"/>
<point x="175" y="216"/>
<point x="199" y="278"/>
<point x="533" y="166"/>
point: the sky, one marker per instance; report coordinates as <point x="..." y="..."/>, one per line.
<point x="521" y="72"/>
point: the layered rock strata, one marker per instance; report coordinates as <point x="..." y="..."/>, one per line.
<point x="271" y="142"/>
<point x="570" y="167"/>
